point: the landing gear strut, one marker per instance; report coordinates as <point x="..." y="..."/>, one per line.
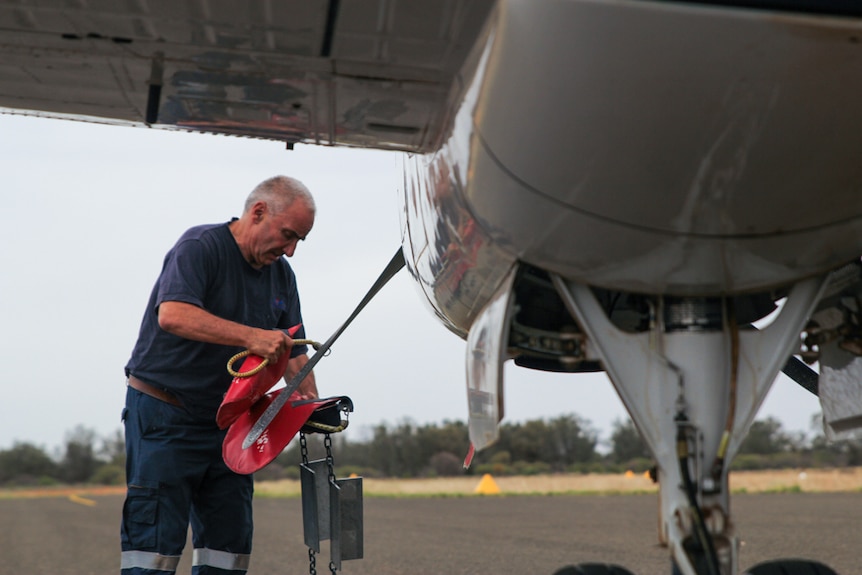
<point x="692" y="381"/>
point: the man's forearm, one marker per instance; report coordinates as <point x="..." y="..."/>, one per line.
<point x="192" y="322"/>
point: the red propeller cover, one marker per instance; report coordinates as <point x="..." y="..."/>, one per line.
<point x="274" y="438"/>
<point x="245" y="391"/>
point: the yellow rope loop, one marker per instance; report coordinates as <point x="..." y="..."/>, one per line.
<point x="248" y="373"/>
<point x="315" y="344"/>
<point x="265" y="362"/>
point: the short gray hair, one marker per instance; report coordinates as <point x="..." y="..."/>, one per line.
<point x="278" y="193"/>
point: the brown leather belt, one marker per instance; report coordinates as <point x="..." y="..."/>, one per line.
<point x="152" y="391"/>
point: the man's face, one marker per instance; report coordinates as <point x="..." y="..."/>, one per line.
<point x="277" y="234"/>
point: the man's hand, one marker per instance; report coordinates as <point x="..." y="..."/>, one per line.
<point x="269" y="343"/>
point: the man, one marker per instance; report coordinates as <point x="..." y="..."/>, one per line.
<point x="223" y="288"/>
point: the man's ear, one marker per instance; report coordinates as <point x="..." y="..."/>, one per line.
<point x="258" y="210"/>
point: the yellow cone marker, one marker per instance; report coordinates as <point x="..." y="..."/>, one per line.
<point x="487" y="486"/>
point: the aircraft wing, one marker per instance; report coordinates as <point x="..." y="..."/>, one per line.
<point x="370" y="73"/>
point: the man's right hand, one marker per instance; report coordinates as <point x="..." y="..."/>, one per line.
<point x="269" y="343"/>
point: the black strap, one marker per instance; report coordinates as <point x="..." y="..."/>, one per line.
<point x="394" y="265"/>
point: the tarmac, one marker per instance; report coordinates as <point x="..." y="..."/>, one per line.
<point x="501" y="535"/>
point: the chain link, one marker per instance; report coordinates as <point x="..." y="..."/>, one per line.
<point x="330" y="462"/>
<point x="303" y="448"/>
<point x="312" y="562"/>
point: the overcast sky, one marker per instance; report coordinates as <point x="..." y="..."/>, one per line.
<point x="89" y="212"/>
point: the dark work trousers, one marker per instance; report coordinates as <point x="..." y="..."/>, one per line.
<point x="175" y="475"/>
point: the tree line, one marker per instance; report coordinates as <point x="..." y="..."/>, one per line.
<point x="567" y="444"/>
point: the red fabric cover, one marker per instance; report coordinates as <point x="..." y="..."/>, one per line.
<point x="245" y="391"/>
<point x="274" y="438"/>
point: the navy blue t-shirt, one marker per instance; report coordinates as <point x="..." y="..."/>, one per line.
<point x="206" y="268"/>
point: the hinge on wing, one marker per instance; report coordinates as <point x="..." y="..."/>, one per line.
<point x="154" y="95"/>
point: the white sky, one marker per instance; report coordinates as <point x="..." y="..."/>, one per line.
<point x="89" y="212"/>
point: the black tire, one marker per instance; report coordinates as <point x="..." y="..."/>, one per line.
<point x="593" y="569"/>
<point x="791" y="567"/>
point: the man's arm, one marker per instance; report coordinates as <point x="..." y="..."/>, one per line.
<point x="192" y="322"/>
<point x="308" y="388"/>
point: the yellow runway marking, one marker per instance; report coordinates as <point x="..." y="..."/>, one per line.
<point x="75" y="498"/>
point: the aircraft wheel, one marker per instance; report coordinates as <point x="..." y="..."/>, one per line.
<point x="791" y="567"/>
<point x="593" y="569"/>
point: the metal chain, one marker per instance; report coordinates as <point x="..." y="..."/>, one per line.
<point x="303" y="450"/>
<point x="330" y="464"/>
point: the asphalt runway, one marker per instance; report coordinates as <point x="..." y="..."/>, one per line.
<point x="512" y="535"/>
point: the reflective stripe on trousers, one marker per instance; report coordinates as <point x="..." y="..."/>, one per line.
<point x="201" y="557"/>
<point x="148" y="560"/>
<point x="220" y="559"/>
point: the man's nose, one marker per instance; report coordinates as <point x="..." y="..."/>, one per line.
<point x="289" y="249"/>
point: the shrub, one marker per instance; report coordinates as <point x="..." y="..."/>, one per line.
<point x="109" y="475"/>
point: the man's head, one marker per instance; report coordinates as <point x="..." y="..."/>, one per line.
<point x="278" y="214"/>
